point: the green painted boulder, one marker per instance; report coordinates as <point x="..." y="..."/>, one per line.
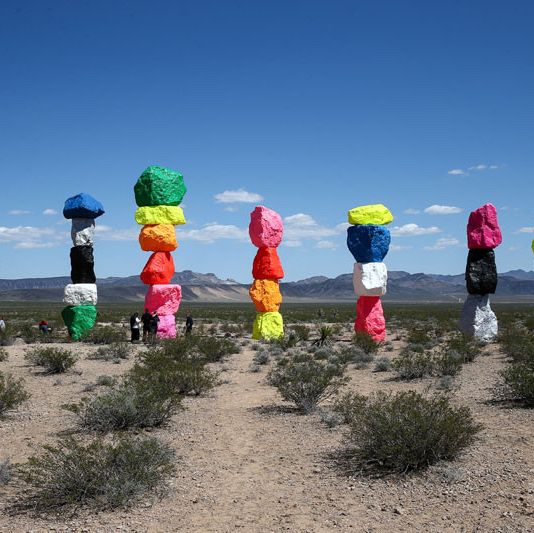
<point x="268" y="325"/>
<point x="79" y="319"/>
<point x="159" y="186"/>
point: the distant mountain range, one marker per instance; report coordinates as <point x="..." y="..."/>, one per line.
<point x="516" y="285"/>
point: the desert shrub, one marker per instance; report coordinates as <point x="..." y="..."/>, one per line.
<point x="113" y="352"/>
<point x="413" y="365"/>
<point x="365" y="342"/>
<point x="53" y="360"/>
<point x="323" y="353"/>
<point x="301" y="331"/>
<point x="104" y="335"/>
<point x="418" y="335"/>
<point x="6" y="340"/>
<point x="330" y="418"/>
<point x="518" y="344"/>
<point x="173" y="372"/>
<point x="464" y="346"/>
<point x="287" y="341"/>
<point x="106" y="381"/>
<point x="407" y="431"/>
<point x="306" y="381"/>
<point x="354" y="354"/>
<point x="347" y="404"/>
<point x="130" y="405"/>
<point x="213" y="349"/>
<point x="448" y="363"/>
<point x="518" y="382"/>
<point x="325" y="336"/>
<point x="100" y="474"/>
<point x="5" y="472"/>
<point x="446" y="383"/>
<point x="261" y="357"/>
<point x="12" y="393"/>
<point x="4" y="356"/>
<point x="382" y="364"/>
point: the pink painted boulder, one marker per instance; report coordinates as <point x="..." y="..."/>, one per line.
<point x="483" y="228"/>
<point x="265" y="228"/>
<point x="166" y="327"/>
<point x="370" y="317"/>
<point x="163" y="299"/>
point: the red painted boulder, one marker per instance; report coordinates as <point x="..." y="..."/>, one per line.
<point x="265" y="228"/>
<point x="159" y="269"/>
<point x="163" y="299"/>
<point x="166" y="327"/>
<point x="370" y="317"/>
<point x="483" y="229"/>
<point x="267" y="265"/>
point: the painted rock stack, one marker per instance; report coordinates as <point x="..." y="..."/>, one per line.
<point x="483" y="236"/>
<point x="266" y="230"/>
<point x="158" y="194"/>
<point x="368" y="240"/>
<point x="81" y="295"/>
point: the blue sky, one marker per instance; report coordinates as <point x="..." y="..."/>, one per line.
<point x="310" y="108"/>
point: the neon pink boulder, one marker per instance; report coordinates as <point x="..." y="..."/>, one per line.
<point x="167" y="327"/>
<point x="266" y="227"/>
<point x="163" y="299"/>
<point x="483" y="229"/>
<point x="370" y="317"/>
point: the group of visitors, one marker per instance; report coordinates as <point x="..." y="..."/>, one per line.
<point x="149" y="321"/>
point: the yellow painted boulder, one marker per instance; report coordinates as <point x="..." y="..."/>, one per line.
<point x="265" y="293"/>
<point x="377" y="214"/>
<point x="268" y="326"/>
<point x="160" y="214"/>
<point x="158" y="238"/>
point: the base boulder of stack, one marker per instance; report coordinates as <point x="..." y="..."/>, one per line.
<point x="79" y="319"/>
<point x="477" y="319"/>
<point x="370" y="317"/>
<point x="166" y="327"/>
<point x="268" y="326"/>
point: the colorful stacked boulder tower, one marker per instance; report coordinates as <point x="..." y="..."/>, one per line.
<point x="483" y="236"/>
<point x="158" y="193"/>
<point x="266" y="230"/>
<point x="81" y="295"/>
<point x="368" y="241"/>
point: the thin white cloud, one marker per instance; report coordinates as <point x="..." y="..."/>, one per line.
<point x="49" y="211"/>
<point x="28" y="237"/>
<point x="238" y="196"/>
<point x="213" y="232"/>
<point x="301" y="226"/>
<point x="442" y="210"/>
<point x="457" y="172"/>
<point x="444" y="242"/>
<point x="483" y="166"/>
<point x="411" y="211"/>
<point x="107" y="233"/>
<point x="18" y="212"/>
<point x="326" y="245"/>
<point x="399" y="248"/>
<point x="291" y="244"/>
<point x="411" y="230"/>
<point x="231" y="208"/>
<point x="526" y="229"/>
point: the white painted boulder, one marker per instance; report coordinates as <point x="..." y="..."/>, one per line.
<point x="370" y="279"/>
<point x="82" y="231"/>
<point x="477" y="319"/>
<point x="80" y="294"/>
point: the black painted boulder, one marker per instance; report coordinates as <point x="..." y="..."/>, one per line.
<point x="82" y="264"/>
<point x="481" y="272"/>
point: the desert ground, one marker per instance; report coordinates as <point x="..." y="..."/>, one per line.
<point x="246" y="460"/>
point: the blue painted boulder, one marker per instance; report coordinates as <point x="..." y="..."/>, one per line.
<point x="368" y="243"/>
<point x="82" y="205"/>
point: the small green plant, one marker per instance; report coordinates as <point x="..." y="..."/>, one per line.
<point x="382" y="364"/>
<point x="306" y="381"/>
<point x="130" y="405"/>
<point x="53" y="360"/>
<point x="407" y="431"/>
<point x="518" y="383"/>
<point x="365" y="342"/>
<point x="5" y="472"/>
<point x="4" y="356"/>
<point x="115" y="351"/>
<point x="100" y="474"/>
<point x="261" y="357"/>
<point x="325" y="336"/>
<point x="413" y="365"/>
<point x="464" y="346"/>
<point x="12" y="393"/>
<point x="301" y="331"/>
<point x="448" y="363"/>
<point x="357" y="356"/>
<point x="104" y="335"/>
<point x="106" y="381"/>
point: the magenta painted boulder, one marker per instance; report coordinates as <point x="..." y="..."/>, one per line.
<point x="265" y="228"/>
<point x="370" y="317"/>
<point x="483" y="229"/>
<point x="163" y="299"/>
<point x="166" y="327"/>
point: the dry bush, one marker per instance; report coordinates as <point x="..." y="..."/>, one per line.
<point x="12" y="393"/>
<point x="53" y="360"/>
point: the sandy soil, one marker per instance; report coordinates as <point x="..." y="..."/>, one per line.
<point x="247" y="461"/>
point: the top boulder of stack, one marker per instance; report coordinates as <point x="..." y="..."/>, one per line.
<point x="483" y="229"/>
<point x="377" y="214"/>
<point x="266" y="227"/>
<point x="82" y="205"/>
<point x="159" y="186"/>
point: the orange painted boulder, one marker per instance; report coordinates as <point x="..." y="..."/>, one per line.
<point x="158" y="238"/>
<point x="159" y="269"/>
<point x="265" y="293"/>
<point x="267" y="265"/>
<point x="370" y="317"/>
